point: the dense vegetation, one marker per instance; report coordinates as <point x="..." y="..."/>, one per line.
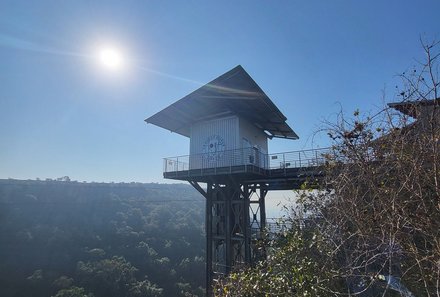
<point x="371" y="227"/>
<point x="63" y="238"/>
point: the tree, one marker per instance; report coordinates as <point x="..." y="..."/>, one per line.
<point x="375" y="218"/>
<point x="383" y="214"/>
<point x="108" y="277"/>
<point x="291" y="269"/>
<point x="73" y="292"/>
<point x="145" y="289"/>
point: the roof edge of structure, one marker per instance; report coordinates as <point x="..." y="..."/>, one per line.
<point x="410" y="107"/>
<point x="234" y="92"/>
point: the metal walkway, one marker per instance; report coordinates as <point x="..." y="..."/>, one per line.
<point x="280" y="171"/>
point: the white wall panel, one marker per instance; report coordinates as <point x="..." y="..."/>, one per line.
<point x="221" y="134"/>
<point x="257" y="140"/>
<point x="219" y="143"/>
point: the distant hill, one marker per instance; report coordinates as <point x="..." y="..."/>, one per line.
<point x="61" y="238"/>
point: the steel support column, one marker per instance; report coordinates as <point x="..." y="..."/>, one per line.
<point x="208" y="230"/>
<point x="230" y="219"/>
<point x="262" y="202"/>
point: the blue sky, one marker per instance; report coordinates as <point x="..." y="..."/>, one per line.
<point x="62" y="114"/>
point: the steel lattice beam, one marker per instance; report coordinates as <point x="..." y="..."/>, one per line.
<point x="229" y="225"/>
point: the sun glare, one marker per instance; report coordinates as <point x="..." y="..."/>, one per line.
<point x="111" y="58"/>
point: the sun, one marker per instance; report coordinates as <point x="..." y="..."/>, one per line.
<point x="111" y="58"/>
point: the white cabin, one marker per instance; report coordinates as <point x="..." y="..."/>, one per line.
<point x="227" y="141"/>
<point x="228" y="121"/>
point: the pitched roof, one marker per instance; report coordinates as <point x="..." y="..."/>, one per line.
<point x="233" y="93"/>
<point x="411" y="108"/>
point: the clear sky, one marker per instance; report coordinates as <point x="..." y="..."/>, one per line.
<point x="62" y="113"/>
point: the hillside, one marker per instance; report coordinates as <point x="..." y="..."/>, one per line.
<point x="61" y="238"/>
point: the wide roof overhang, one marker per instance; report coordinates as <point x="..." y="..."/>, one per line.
<point x="233" y="93"/>
<point x="411" y="108"/>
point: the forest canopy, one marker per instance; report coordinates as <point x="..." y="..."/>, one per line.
<point x="64" y="238"/>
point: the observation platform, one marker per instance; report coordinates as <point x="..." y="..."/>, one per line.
<point x="280" y="171"/>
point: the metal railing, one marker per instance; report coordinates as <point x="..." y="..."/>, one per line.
<point x="247" y="156"/>
<point x="298" y="159"/>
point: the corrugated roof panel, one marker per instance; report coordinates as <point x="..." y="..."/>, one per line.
<point x="234" y="92"/>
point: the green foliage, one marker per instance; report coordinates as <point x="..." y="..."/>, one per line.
<point x="291" y="269"/>
<point x="62" y="237"/>
<point x="63" y="282"/>
<point x="109" y="277"/>
<point x="145" y="289"/>
<point x="36" y="277"/>
<point x="73" y="292"/>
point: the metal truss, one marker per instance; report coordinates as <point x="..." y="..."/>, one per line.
<point x="235" y="222"/>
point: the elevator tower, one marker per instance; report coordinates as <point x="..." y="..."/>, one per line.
<point x="229" y="122"/>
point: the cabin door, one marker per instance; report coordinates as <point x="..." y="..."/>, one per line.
<point x="248" y="152"/>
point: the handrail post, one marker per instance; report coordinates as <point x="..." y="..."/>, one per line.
<point x="230" y="160"/>
<point x="284" y="163"/>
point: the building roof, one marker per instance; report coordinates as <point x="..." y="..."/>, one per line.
<point x="412" y="108"/>
<point x="233" y="93"/>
